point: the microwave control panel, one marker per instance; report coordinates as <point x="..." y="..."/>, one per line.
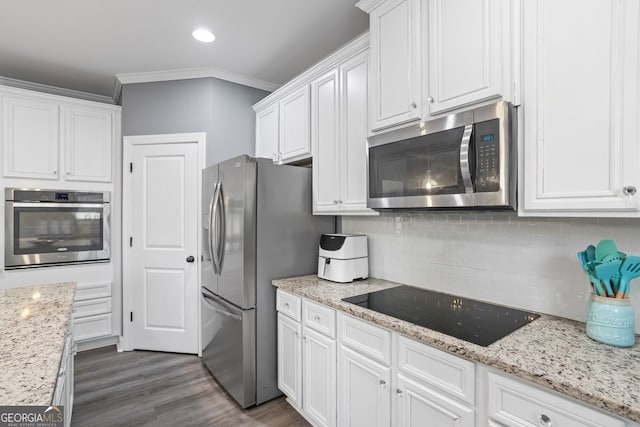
<point x="487" y="146"/>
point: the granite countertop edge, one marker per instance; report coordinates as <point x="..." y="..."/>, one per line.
<point x="552" y="352"/>
<point x="35" y="321"/>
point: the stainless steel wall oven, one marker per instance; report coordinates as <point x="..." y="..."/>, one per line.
<point x="53" y="227"/>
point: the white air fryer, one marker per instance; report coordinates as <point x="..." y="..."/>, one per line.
<point x="343" y="257"/>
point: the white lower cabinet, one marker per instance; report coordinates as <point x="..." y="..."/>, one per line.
<point x="339" y="370"/>
<point x="307" y="358"/>
<point x="364" y="391"/>
<point x="514" y="403"/>
<point x="290" y="359"/>
<point x="319" y="378"/>
<point x="416" y="403"/>
<point x="92" y="312"/>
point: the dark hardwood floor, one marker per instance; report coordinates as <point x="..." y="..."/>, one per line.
<point x="145" y="388"/>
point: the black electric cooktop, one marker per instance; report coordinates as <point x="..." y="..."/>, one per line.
<point x="470" y="320"/>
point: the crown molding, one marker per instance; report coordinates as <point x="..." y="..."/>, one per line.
<point x="191" y="73"/>
<point x="53" y="90"/>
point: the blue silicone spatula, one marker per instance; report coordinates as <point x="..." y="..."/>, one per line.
<point x="630" y="269"/>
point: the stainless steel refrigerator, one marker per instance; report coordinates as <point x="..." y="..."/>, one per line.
<point x="258" y="226"/>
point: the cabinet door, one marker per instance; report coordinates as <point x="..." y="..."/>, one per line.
<point x="88" y="142"/>
<point x="325" y="137"/>
<point x="353" y="149"/>
<point x="395" y="63"/>
<point x="295" y="141"/>
<point x="580" y="100"/>
<point x="465" y="57"/>
<point x="267" y="133"/>
<point x="319" y="378"/>
<point x="290" y="359"/>
<point x="30" y="138"/>
<point x="415" y="403"/>
<point x="364" y="391"/>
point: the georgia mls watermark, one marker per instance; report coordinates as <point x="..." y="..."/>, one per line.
<point x="31" y="416"/>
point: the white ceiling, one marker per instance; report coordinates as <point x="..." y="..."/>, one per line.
<point x="82" y="44"/>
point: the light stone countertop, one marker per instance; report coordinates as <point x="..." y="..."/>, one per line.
<point x="553" y="352"/>
<point x="33" y="327"/>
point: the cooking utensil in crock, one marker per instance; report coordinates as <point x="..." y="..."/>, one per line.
<point x="630" y="269"/>
<point x="605" y="272"/>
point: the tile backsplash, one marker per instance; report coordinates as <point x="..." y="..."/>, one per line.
<point x="527" y="263"/>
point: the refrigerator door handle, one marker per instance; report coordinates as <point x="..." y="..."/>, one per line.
<point x="209" y="231"/>
<point x="215" y="241"/>
<point x="217" y="308"/>
<point x="223" y="229"/>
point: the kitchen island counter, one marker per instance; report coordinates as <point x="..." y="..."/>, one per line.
<point x="34" y="322"/>
<point x="553" y="352"/>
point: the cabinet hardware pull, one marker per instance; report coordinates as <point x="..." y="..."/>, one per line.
<point x="381" y="381"/>
<point x="316" y="318"/>
<point x="286" y="305"/>
<point x="629" y="190"/>
<point x="398" y="391"/>
<point x="545" y="420"/>
<point x="414" y="106"/>
<point x="430" y="100"/>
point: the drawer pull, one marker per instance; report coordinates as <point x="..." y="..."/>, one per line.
<point x="382" y="382"/>
<point x="545" y="420"/>
<point x="316" y="318"/>
<point x="286" y="305"/>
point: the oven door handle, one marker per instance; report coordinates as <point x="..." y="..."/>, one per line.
<point x="39" y="205"/>
<point x="465" y="164"/>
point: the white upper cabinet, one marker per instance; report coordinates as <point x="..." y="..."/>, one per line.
<point x="30" y="137"/>
<point x="433" y="56"/>
<point x="88" y="141"/>
<point x="56" y="138"/>
<point x="580" y="108"/>
<point x="283" y="129"/>
<point x="325" y="134"/>
<point x="396" y="80"/>
<point x="267" y="133"/>
<point x="339" y="138"/>
<point x="295" y="142"/>
<point x="466" y="55"/>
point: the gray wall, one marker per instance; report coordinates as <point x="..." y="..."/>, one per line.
<point x="221" y="109"/>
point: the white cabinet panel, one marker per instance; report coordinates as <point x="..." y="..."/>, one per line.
<point x="295" y="142"/>
<point x="290" y="358"/>
<point x="91" y="327"/>
<point x="267" y="133"/>
<point x="325" y="128"/>
<point x="319" y="317"/>
<point x="30" y="138"/>
<point x="364" y="391"/>
<point x="396" y="80"/>
<point x="465" y="57"/>
<point x="319" y="378"/>
<point x="581" y="107"/>
<point x="365" y="338"/>
<point x="289" y="304"/>
<point x="416" y="403"/>
<point x="516" y="404"/>
<point x="88" y="137"/>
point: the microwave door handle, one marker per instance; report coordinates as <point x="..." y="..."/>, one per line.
<point x="465" y="164"/>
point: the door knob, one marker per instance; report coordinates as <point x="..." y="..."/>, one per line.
<point x="190" y="258"/>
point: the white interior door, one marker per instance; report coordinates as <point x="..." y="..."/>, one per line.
<point x="163" y="267"/>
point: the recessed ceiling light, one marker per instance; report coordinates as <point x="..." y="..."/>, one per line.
<point x="203" y="35"/>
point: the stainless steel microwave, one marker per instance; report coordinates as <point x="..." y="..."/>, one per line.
<point x="54" y="227"/>
<point x="463" y="160"/>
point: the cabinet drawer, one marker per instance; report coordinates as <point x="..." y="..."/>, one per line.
<point x="450" y="374"/>
<point x="288" y="304"/>
<point x="92" y="327"/>
<point x="365" y="338"/>
<point x="320" y="318"/>
<point x="91" y="307"/>
<point x="85" y="291"/>
<point x="514" y="403"/>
